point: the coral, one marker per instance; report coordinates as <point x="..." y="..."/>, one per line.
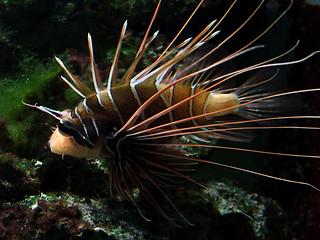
<point x="45" y="221"/>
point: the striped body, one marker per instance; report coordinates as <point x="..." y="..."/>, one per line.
<point x="124" y="100"/>
<point x="92" y="118"/>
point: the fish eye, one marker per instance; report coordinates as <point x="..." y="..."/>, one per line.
<point x="65" y="127"/>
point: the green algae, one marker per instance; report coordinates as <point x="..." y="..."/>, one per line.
<point x="30" y="80"/>
<point x="25" y="85"/>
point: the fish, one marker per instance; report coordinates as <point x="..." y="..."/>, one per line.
<point x="143" y="122"/>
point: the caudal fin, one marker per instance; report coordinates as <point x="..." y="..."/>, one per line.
<point x="262" y="96"/>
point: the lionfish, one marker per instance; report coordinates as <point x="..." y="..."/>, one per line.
<point x="137" y="121"/>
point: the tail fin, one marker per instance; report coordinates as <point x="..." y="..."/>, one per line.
<point x="262" y="97"/>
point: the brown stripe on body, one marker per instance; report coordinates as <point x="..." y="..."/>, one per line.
<point x="188" y="109"/>
<point x="147" y="90"/>
<point x="166" y="96"/>
<point x="198" y="106"/>
<point x="125" y="101"/>
<point x="180" y="93"/>
<point x="107" y="111"/>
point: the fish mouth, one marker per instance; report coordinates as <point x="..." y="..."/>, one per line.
<point x="65" y="145"/>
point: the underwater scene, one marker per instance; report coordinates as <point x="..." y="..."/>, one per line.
<point x="150" y="119"/>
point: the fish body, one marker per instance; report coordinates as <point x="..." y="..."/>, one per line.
<point x="92" y="119"/>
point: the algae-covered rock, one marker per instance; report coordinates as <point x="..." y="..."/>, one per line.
<point x="18" y="178"/>
<point x="233" y="214"/>
<point x="265" y="215"/>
